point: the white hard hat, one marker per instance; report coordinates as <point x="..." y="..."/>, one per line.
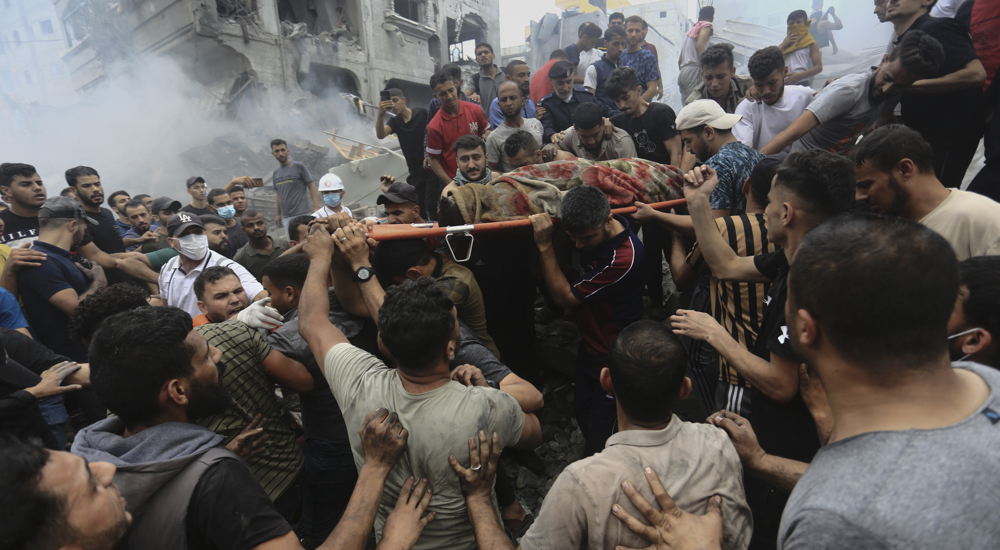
<point x="331" y="182"/>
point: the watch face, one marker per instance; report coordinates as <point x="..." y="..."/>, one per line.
<point x="364" y="273"/>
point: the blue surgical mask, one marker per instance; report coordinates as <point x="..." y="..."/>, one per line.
<point x="227" y="212"/>
<point x="332" y="199"/>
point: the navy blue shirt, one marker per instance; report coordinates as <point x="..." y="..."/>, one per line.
<point x="610" y="286"/>
<point x="37" y="285"/>
<point x="559" y="114"/>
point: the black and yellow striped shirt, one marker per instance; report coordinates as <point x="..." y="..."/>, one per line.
<point x="738" y="307"/>
<point x="242" y="373"/>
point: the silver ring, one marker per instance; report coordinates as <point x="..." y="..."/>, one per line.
<point x="477" y="468"/>
<point x="344" y="239"/>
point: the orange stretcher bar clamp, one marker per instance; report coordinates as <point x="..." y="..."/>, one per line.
<point x="426" y="230"/>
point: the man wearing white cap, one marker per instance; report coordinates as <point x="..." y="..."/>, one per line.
<point x="331" y="192"/>
<point x="707" y="133"/>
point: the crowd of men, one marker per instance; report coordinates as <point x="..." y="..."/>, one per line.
<point x="828" y="381"/>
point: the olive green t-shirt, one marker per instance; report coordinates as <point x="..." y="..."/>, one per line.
<point x="462" y="288"/>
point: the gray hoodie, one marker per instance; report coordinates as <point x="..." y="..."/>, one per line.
<point x="147" y="462"/>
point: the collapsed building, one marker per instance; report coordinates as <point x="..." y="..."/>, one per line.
<point x="278" y="51"/>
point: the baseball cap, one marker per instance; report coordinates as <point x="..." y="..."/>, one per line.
<point x="193" y="180"/>
<point x="62" y="207"/>
<point x="331" y="182"/>
<point x="705" y="112"/>
<point x="181" y="221"/>
<point x="165" y="203"/>
<point x="398" y="193"/>
<point x="561" y="69"/>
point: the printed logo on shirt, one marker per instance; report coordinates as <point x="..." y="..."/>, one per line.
<point x="643" y="143"/>
<point x="767" y="300"/>
<point x="474" y="128"/>
<point x="784" y="335"/>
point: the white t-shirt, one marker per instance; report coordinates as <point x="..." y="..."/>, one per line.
<point x="798" y="61"/>
<point x="177" y="287"/>
<point x="969" y="221"/>
<point x="496" y="139"/>
<point x="587" y="59"/>
<point x="326" y="212"/>
<point x="946" y="8"/>
<point x="770" y="120"/>
<point x="590" y="79"/>
<point x="440" y="423"/>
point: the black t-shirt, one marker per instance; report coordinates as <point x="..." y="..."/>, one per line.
<point x="649" y="131"/>
<point x="18" y="230"/>
<point x="953" y="117"/>
<point x="198" y="211"/>
<point x="106" y="234"/>
<point x="237" y="238"/>
<point x="27" y="352"/>
<point x="783" y="429"/>
<point x="229" y="510"/>
<point x="411" y="137"/>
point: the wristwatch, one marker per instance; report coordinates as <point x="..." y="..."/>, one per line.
<point x="363" y="274"/>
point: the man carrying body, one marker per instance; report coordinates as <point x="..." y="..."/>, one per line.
<point x="597" y="74"/>
<point x="563" y="101"/>
<point x="607" y="296"/>
<point x="849" y="106"/>
<point x="652" y="126"/>
<point x="139" y="232"/>
<point x="396" y="261"/>
<point x="895" y="177"/>
<point x="800" y="51"/>
<point x="198" y="189"/>
<point x="222" y="204"/>
<point x="946" y="106"/>
<point x="583" y="53"/>
<point x="487" y="81"/>
<point x="518" y="73"/>
<point x="511" y="100"/>
<point x="400" y="200"/>
<point x="455" y="119"/>
<point x="296" y="189"/>
<point x="695" y="42"/>
<point x="522" y="149"/>
<point x="177" y="277"/>
<point x="261" y="248"/>
<point x="418" y="327"/>
<point x="642" y="60"/>
<point x="470" y="153"/>
<point x="809" y="188"/>
<point x="410" y="127"/>
<point x="52" y="290"/>
<point x="719" y="79"/>
<point x="779" y="105"/>
<point x="163" y="209"/>
<point x="586" y="138"/>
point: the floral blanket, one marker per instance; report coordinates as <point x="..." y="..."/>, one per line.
<point x="540" y="187"/>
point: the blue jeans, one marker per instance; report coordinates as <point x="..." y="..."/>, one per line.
<point x="330" y="479"/>
<point x="54" y="412"/>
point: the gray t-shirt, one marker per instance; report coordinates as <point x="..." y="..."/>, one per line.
<point x="472" y="352"/>
<point x="907" y="489"/>
<point x="844" y="111"/>
<point x="440" y="423"/>
<point x="494" y="143"/>
<point x="291" y="182"/>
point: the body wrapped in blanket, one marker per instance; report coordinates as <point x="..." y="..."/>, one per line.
<point x="540" y="187"/>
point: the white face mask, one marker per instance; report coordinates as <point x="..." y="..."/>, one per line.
<point x="963" y="333"/>
<point x="194" y="246"/>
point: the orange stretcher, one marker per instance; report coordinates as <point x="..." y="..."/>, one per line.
<point x="393" y="232"/>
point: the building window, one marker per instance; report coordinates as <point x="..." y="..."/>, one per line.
<point x="6" y="3"/>
<point x="75" y="24"/>
<point x="46" y="27"/>
<point x="663" y="15"/>
<point x="409" y="9"/>
<point x="16" y="38"/>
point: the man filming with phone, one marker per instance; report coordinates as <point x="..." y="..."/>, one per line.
<point x="410" y="125"/>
